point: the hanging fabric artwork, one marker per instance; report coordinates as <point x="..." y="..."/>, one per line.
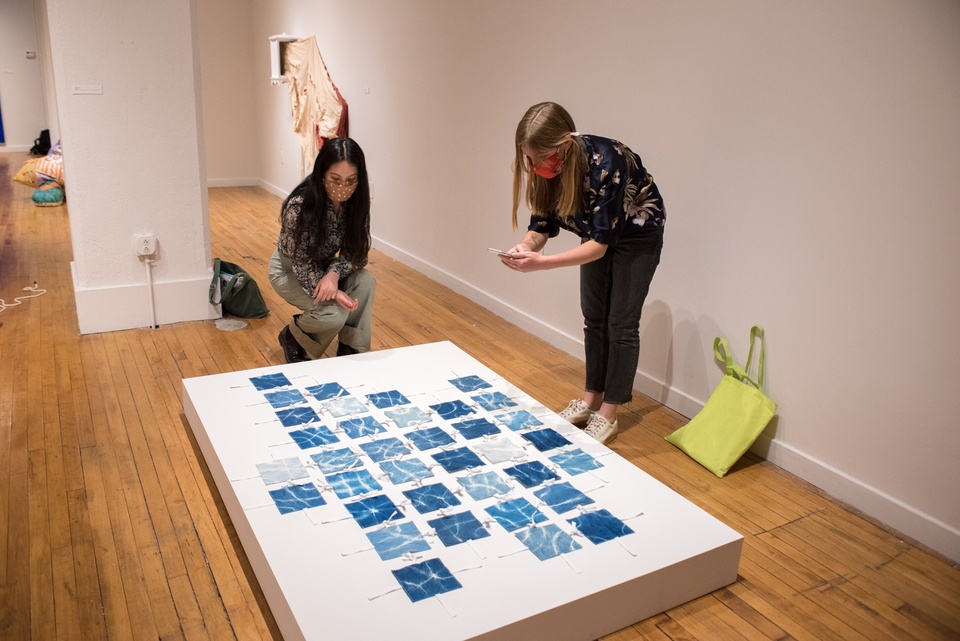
<point x="319" y="111"/>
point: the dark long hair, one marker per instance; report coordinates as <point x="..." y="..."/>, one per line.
<point x="312" y="222"/>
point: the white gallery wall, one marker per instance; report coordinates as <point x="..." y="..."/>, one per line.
<point x="129" y="112"/>
<point x="808" y="155"/>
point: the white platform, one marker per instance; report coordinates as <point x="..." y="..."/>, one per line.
<point x="323" y="578"/>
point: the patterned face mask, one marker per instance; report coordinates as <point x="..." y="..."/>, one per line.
<point x="550" y="167"/>
<point x="339" y="192"/>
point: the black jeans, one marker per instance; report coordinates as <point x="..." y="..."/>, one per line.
<point x="612" y="291"/>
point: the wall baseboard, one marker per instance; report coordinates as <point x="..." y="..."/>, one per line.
<point x="887" y="509"/>
<point x="109" y="309"/>
<point x="233" y="182"/>
<point x="15" y="149"/>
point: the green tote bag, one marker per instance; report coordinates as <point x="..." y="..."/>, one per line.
<point x="734" y="416"/>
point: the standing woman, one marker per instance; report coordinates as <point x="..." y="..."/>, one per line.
<point x="598" y="189"/>
<point x="321" y="254"/>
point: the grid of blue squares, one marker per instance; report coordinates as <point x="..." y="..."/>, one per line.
<point x="356" y="458"/>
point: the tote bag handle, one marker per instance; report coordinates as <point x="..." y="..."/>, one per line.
<point x="722" y="351"/>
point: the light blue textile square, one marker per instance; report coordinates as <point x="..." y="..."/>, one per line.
<point x="287" y="469"/>
<point x="285" y="398"/>
<point x="575" y="462"/>
<point x="353" y="483"/>
<point x="364" y="426"/>
<point x="336" y="460"/>
<point x="547" y="541"/>
<point x="407" y="416"/>
<point x="345" y="406"/>
<point x="492" y="401"/>
<point x="393" y="541"/>
<point x="326" y="391"/>
<point x="518" y="420"/>
<point x="405" y="470"/>
<point x="484" y="485"/>
<point x="516" y="513"/>
<point x="384" y="449"/>
<point x="562" y="497"/>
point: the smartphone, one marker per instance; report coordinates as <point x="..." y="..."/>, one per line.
<point x="499" y="252"/>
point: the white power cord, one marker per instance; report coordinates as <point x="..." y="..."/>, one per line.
<point x="19" y="299"/>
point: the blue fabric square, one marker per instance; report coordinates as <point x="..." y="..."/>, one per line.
<point x="575" y="462"/>
<point x="515" y="514"/>
<point x="405" y="470"/>
<point x="457" y="460"/>
<point x="293" y="416"/>
<point x="336" y="460"/>
<point x="383" y="400"/>
<point x="458" y="528"/>
<point x="469" y="383"/>
<point x="314" y="437"/>
<point x="407" y="416"/>
<point x="519" y="420"/>
<point x="547" y="439"/>
<point x="384" y="449"/>
<point x="429" y="438"/>
<point x="269" y="381"/>
<point x="484" y="485"/>
<point x="476" y="427"/>
<point x="284" y="398"/>
<point x="493" y="401"/>
<point x="365" y="426"/>
<point x="562" y="497"/>
<point x="353" y="482"/>
<point x="547" y="541"/>
<point x="430" y="498"/>
<point x="374" y="510"/>
<point x="393" y="541"/>
<point x="600" y="526"/>
<point x="294" y="498"/>
<point x="452" y="409"/>
<point x="423" y="580"/>
<point x="532" y="473"/>
<point x="281" y="471"/>
<point x="326" y="391"/>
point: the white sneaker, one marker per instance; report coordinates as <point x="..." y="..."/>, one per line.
<point x="577" y="412"/>
<point x="601" y="429"/>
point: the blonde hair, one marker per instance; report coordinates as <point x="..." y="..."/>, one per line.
<point x="547" y="126"/>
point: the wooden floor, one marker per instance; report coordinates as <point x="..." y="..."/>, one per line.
<point x="110" y="526"/>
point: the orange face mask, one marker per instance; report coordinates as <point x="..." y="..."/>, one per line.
<point x="550" y="167"/>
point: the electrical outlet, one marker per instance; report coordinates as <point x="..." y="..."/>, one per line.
<point x="146" y="245"/>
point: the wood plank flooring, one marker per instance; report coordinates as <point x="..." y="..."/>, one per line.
<point x="111" y="528"/>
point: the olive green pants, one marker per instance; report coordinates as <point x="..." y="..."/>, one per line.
<point x="321" y="322"/>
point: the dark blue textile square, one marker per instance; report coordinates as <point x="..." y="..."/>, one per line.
<point x="374" y="510"/>
<point x="547" y="439"/>
<point x="452" y="409"/>
<point x="269" y="381"/>
<point x="457" y="460"/>
<point x="326" y="391"/>
<point x="314" y="437"/>
<point x="430" y="498"/>
<point x="423" y="580"/>
<point x="476" y="427"/>
<point x="429" y="438"/>
<point x="600" y="526"/>
<point x="516" y="513"/>
<point x="383" y="400"/>
<point x="575" y="462"/>
<point x="458" y="528"/>
<point x="294" y="498"/>
<point x="293" y="416"/>
<point x="469" y="383"/>
<point x="532" y="473"/>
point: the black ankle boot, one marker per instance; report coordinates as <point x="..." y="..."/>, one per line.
<point x="292" y="351"/>
<point x="345" y="350"/>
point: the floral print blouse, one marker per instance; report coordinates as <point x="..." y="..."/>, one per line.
<point x="621" y="196"/>
<point x="310" y="266"/>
